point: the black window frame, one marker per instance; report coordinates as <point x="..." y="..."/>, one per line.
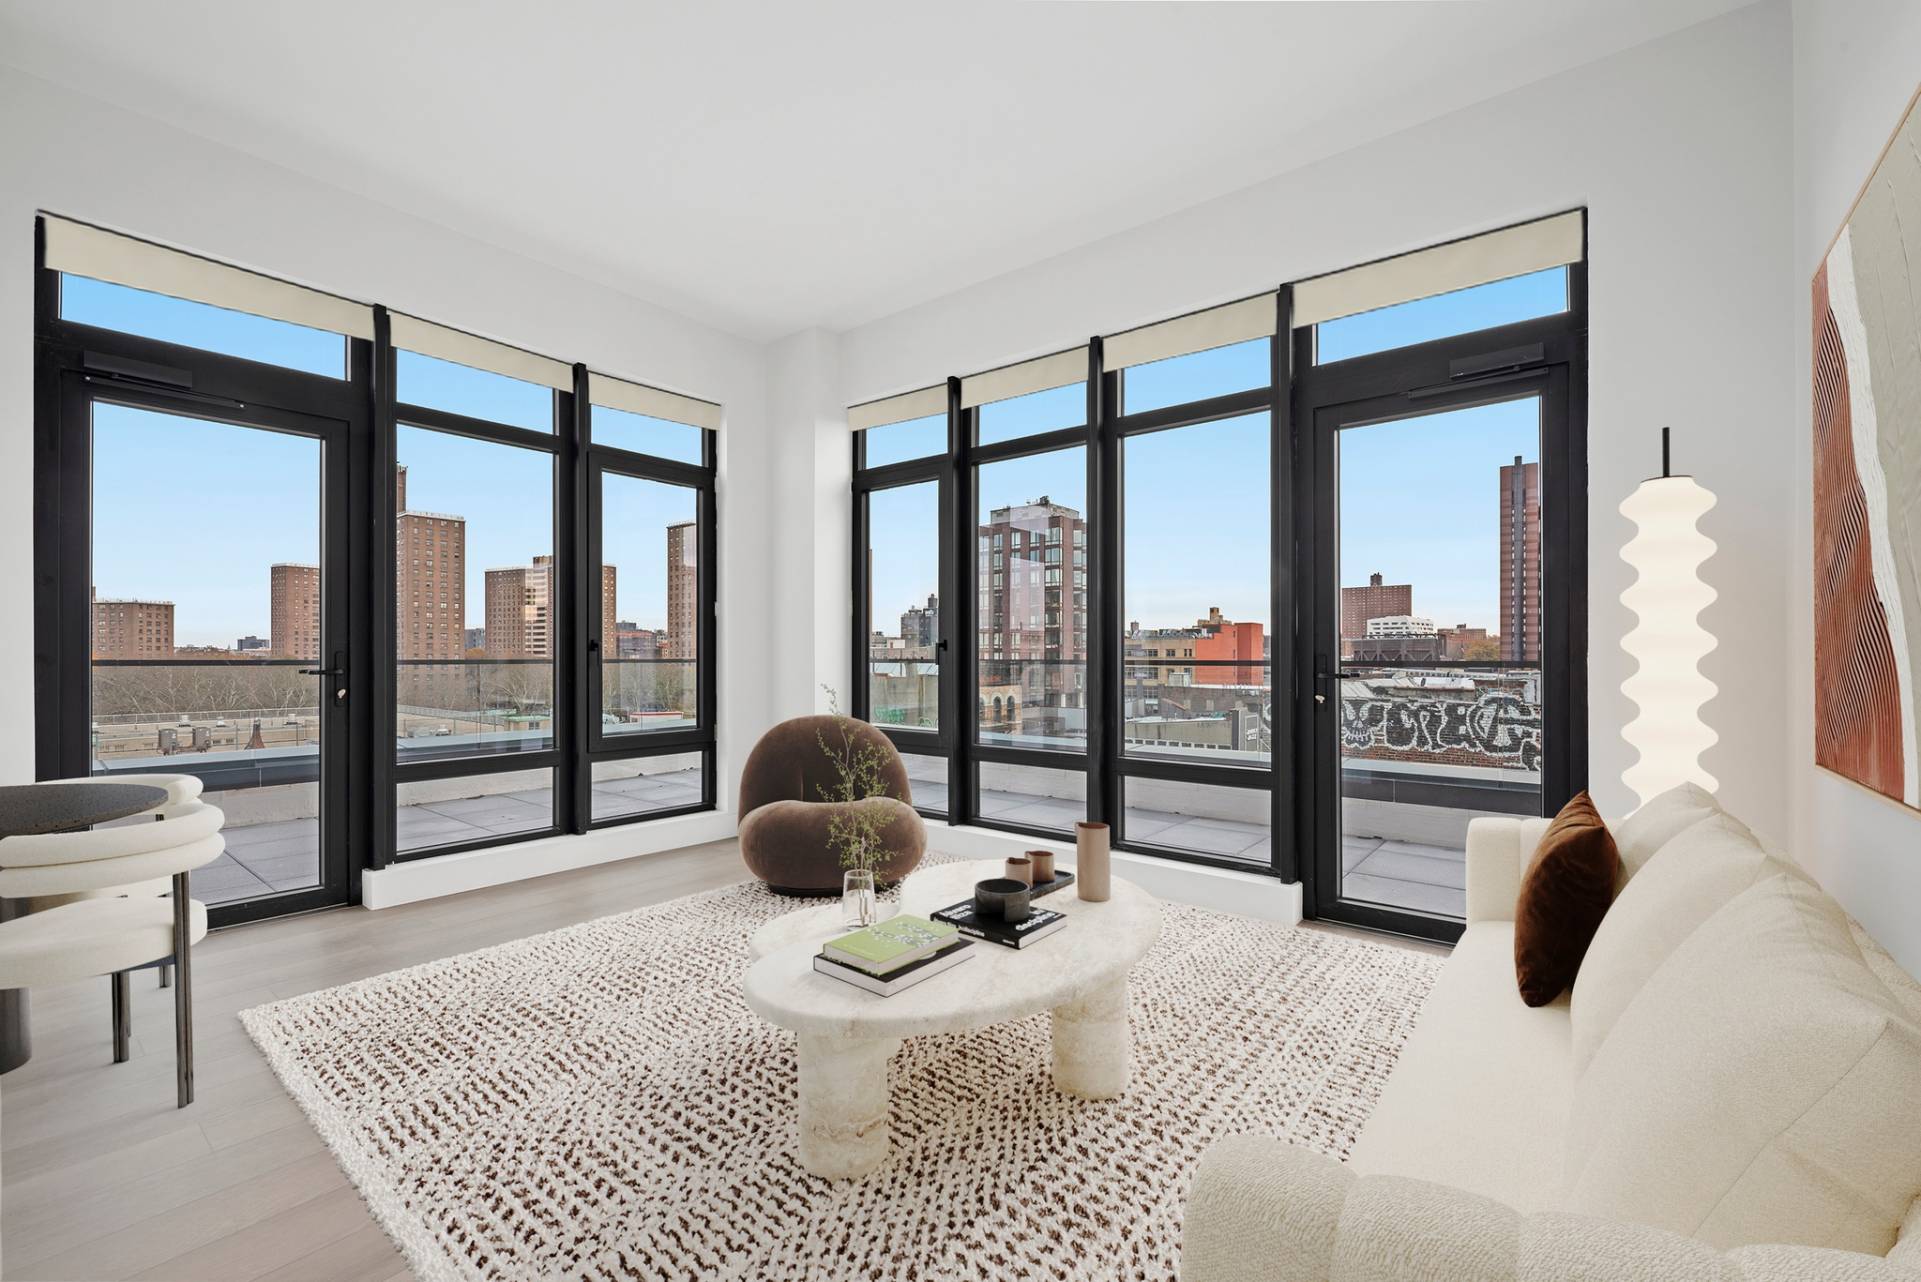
<point x="361" y="551"/>
<point x="595" y="462"/>
<point x="1296" y="775"/>
<point x="558" y="444"/>
<point x="1542" y="358"/>
<point x="965" y="534"/>
<point x="937" y="468"/>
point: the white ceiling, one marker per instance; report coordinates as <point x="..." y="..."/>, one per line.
<point x="769" y="166"/>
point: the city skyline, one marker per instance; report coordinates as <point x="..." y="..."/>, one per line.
<point x="1196" y="498"/>
<point x="150" y="520"/>
<point x="143" y="551"/>
<point x="1442" y="533"/>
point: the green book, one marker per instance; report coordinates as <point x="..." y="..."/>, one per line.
<point x="891" y="944"/>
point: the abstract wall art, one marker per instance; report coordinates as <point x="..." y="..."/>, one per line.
<point x="1867" y="480"/>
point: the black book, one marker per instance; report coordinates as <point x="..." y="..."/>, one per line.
<point x="895" y="980"/>
<point x="1039" y="924"/>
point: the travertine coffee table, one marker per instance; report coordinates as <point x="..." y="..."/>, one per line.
<point x="846" y="1035"/>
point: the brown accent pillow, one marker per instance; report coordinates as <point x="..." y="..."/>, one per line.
<point x="1565" y="892"/>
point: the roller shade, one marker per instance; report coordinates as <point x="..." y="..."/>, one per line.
<point x="1037" y="375"/>
<point x="638" y="398"/>
<point x="82" y="250"/>
<point x="1461" y="264"/>
<point x="898" y="409"/>
<point x="1250" y="318"/>
<point x="462" y="348"/>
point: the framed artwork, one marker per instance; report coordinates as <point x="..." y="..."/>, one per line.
<point x="1867" y="480"/>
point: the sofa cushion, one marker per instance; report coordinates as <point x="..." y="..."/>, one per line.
<point x="1692" y="877"/>
<point x="1657" y="822"/>
<point x="1760" y="1088"/>
<point x="1566" y="889"/>
<point x="1478" y="1098"/>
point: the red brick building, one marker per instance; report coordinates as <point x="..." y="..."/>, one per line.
<point x="1377" y="600"/>
<point x="1520" y="543"/>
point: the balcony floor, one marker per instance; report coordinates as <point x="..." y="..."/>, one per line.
<point x="1419" y="876"/>
<point x="1404" y="874"/>
<point x="267" y="858"/>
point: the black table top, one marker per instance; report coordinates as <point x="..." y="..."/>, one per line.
<point x="34" y="808"/>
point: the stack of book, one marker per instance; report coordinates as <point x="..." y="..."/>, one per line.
<point x="893" y="955"/>
<point x="1038" y="924"/>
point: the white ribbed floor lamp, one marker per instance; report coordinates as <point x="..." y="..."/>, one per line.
<point x="1667" y="641"/>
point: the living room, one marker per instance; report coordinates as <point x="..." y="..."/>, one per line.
<point x="1350" y="556"/>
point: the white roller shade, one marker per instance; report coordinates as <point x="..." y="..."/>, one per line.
<point x="898" y="409"/>
<point x="1037" y="375"/>
<point x="122" y="260"/>
<point x="462" y="348"/>
<point x="1461" y="264"/>
<point x="1196" y="332"/>
<point x="638" y="398"/>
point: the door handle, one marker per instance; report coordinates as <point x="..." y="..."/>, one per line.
<point x="338" y="673"/>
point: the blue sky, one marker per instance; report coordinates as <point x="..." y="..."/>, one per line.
<point x="1419" y="498"/>
<point x="195" y="512"/>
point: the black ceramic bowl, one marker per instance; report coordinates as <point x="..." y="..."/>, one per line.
<point x="1002" y="897"/>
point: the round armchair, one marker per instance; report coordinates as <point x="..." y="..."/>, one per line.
<point x="784" y="821"/>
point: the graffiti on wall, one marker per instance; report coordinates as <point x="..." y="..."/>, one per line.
<point x="1495" y="728"/>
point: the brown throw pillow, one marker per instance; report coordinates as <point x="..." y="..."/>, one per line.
<point x="1564" y="894"/>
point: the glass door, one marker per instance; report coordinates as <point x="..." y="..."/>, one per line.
<point x="1433" y="696"/>
<point x="216" y="625"/>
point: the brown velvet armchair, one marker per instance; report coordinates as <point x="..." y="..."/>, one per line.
<point x="783" y="821"/>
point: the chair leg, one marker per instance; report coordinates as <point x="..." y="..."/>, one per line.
<point x="183" y="989"/>
<point x="122" y="1016"/>
<point x="166" y="975"/>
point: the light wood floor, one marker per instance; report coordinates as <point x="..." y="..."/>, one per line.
<point x="102" y="1177"/>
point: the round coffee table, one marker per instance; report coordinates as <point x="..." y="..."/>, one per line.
<point x="847" y="1035"/>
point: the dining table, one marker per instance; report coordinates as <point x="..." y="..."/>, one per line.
<point x="28" y="810"/>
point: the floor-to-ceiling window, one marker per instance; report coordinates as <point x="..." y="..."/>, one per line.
<point x="1027" y="547"/>
<point x="479" y="618"/>
<point x="1294" y="591"/>
<point x="901" y="455"/>
<point x="649" y="578"/>
<point x="1444" y="565"/>
<point x="333" y="563"/>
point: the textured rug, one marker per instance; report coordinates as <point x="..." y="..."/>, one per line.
<point x="598" y="1103"/>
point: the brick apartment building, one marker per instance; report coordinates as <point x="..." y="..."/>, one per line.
<point x="1033" y="591"/>
<point x="430" y="580"/>
<point x="520" y="616"/>
<point x="1223" y="653"/>
<point x="293" y="610"/>
<point x="682" y="637"/>
<point x="1377" y="600"/>
<point x="1521" y="562"/>
<point x="125" y="628"/>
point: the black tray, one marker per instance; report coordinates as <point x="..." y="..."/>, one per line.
<point x="1062" y="877"/>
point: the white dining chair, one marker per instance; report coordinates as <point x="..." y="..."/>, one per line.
<point x="111" y="920"/>
<point x="180" y="789"/>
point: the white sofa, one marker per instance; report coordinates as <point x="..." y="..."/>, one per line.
<point x="1522" y="1145"/>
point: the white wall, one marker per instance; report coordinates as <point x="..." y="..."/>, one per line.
<point x="1856" y="64"/>
<point x="807" y="644"/>
<point x="75" y="155"/>
<point x="1678" y="148"/>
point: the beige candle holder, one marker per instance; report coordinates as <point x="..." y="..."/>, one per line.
<point x="1093" y="870"/>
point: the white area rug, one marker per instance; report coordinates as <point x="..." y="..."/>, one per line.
<point x="598" y="1103"/>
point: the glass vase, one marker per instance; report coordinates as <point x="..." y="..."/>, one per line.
<point x="859" y="905"/>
